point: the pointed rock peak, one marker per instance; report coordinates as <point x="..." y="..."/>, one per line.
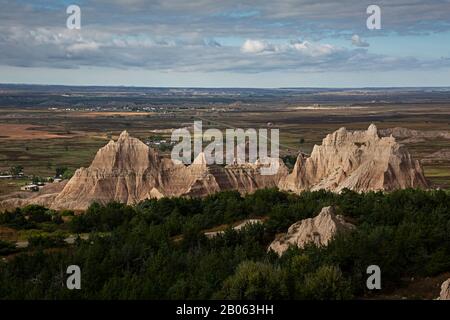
<point x="327" y="211"/>
<point x="445" y="290"/>
<point x="124" y="135"/>
<point x="155" y="193"/>
<point x="336" y="136"/>
<point x="200" y="159"/>
<point x="302" y="156"/>
<point x="319" y="230"/>
<point x="372" y="130"/>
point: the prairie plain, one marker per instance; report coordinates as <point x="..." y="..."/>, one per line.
<point x="42" y="131"/>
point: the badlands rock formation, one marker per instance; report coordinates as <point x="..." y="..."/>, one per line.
<point x="357" y="160"/>
<point x="127" y="170"/>
<point x="445" y="290"/>
<point x="438" y="156"/>
<point x="44" y="197"/>
<point x="319" y="231"/>
<point x="239" y="227"/>
<point x="405" y="133"/>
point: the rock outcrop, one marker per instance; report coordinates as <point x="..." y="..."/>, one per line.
<point x="357" y="160"/>
<point x="238" y="227"/>
<point x="442" y="155"/>
<point x="128" y="171"/>
<point x="445" y="290"/>
<point x="319" y="230"/>
<point x="44" y="197"/>
<point x="405" y="133"/>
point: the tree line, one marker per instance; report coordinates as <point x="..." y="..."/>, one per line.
<point x="157" y="249"/>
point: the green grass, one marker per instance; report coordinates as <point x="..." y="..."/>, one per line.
<point x="41" y="157"/>
<point x="439" y="176"/>
<point x="11" y="185"/>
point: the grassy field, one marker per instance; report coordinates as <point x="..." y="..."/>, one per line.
<point x="41" y="157"/>
<point x="10" y="185"/>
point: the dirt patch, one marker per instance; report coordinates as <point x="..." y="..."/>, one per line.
<point x="89" y="114"/>
<point x="27" y="132"/>
<point x="8" y="234"/>
<point x="416" y="288"/>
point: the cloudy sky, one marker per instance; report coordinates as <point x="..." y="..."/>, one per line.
<point x="226" y="43"/>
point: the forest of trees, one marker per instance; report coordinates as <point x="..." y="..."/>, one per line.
<point x="157" y="249"/>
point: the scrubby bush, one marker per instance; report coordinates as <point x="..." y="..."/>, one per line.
<point x="7" y="247"/>
<point x="46" y="241"/>
<point x="255" y="281"/>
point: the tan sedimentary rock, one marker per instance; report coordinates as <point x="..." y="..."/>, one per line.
<point x="438" y="156"/>
<point x="239" y="227"/>
<point x="319" y="230"/>
<point x="445" y="290"/>
<point x="20" y="199"/>
<point x="357" y="160"/>
<point x="119" y="171"/>
<point x="127" y="170"/>
<point x="405" y="133"/>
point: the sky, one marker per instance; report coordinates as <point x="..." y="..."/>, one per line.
<point x="226" y="43"/>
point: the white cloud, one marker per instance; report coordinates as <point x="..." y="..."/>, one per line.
<point x="358" y="42"/>
<point x="305" y="48"/>
<point x="83" y="46"/>
<point x="256" y="46"/>
<point x="129" y="49"/>
<point x="314" y="49"/>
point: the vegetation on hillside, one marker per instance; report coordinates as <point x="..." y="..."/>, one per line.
<point x="158" y="250"/>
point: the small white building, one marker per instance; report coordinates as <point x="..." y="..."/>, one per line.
<point x="30" y="187"/>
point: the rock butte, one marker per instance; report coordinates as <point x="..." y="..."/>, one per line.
<point x="319" y="230"/>
<point x="445" y="290"/>
<point x="127" y="170"/>
<point x="356" y="160"/>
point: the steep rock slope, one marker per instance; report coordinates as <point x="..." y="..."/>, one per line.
<point x="20" y="199"/>
<point x="319" y="230"/>
<point x="445" y="290"/>
<point x="358" y="160"/>
<point x="129" y="171"/>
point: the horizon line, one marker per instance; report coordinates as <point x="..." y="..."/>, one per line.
<point x="218" y="87"/>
